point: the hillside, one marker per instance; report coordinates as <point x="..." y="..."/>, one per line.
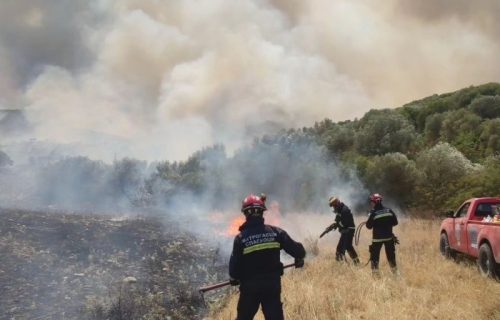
<point x="429" y="286"/>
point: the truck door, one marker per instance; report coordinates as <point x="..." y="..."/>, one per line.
<point x="460" y="231"/>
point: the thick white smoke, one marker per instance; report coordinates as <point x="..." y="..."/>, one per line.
<point x="159" y="80"/>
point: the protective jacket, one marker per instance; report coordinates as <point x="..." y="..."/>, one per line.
<point x="344" y="218"/>
<point x="381" y="220"/>
<point x="256" y="251"/>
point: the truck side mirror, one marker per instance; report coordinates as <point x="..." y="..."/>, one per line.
<point x="449" y="214"/>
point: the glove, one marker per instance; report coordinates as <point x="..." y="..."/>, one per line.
<point x="299" y="263"/>
<point x="234" y="282"/>
<point x="396" y="240"/>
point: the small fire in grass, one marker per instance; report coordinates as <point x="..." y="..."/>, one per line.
<point x="234" y="226"/>
<point x="272" y="216"/>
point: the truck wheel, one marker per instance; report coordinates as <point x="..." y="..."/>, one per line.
<point x="486" y="261"/>
<point x="444" y="247"/>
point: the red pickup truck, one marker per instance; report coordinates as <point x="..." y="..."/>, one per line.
<point x="474" y="230"/>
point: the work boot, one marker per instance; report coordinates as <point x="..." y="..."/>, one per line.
<point x="395" y="272"/>
<point x="339" y="256"/>
<point x="376" y="274"/>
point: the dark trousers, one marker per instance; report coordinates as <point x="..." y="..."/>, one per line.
<point x="345" y="243"/>
<point x="255" y="294"/>
<point x="390" y="252"/>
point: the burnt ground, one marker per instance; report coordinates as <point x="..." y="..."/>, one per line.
<point x="74" y="266"/>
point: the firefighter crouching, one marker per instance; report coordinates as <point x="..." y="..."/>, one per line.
<point x="381" y="220"/>
<point x="344" y="222"/>
<point x="255" y="262"/>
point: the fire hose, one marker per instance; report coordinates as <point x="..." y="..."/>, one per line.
<point x="357" y="233"/>
<point x="226" y="283"/>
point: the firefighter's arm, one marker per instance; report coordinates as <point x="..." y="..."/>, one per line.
<point x="338" y="218"/>
<point x="344" y="216"/>
<point x="293" y="248"/>
<point x="235" y="262"/>
<point x="394" y="219"/>
<point x="369" y="222"/>
<point x="331" y="227"/>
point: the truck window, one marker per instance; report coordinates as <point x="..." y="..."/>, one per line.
<point x="462" y="212"/>
<point x="486" y="209"/>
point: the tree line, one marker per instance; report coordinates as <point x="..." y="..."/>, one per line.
<point x="430" y="154"/>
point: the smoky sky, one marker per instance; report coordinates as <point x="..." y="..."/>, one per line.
<point x="161" y="79"/>
<point x="36" y="34"/>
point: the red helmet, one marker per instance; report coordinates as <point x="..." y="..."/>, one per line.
<point x="376" y="198"/>
<point x="253" y="204"/>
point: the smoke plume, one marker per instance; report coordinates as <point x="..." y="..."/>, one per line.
<point x="159" y="80"/>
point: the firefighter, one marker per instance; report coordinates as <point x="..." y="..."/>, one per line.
<point x="381" y="220"/>
<point x="344" y="222"/>
<point x="255" y="262"/>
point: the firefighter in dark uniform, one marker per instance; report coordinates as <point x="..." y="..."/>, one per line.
<point x="344" y="222"/>
<point x="255" y="262"/>
<point x="381" y="220"/>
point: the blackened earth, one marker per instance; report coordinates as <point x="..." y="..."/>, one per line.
<point x="88" y="266"/>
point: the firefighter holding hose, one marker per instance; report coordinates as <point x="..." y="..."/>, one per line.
<point x="382" y="219"/>
<point x="255" y="262"/>
<point x="344" y="222"/>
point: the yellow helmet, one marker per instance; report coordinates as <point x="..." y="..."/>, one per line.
<point x="333" y="201"/>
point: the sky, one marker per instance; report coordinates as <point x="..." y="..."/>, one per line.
<point x="159" y="80"/>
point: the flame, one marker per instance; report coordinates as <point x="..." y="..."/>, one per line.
<point x="234" y="226"/>
<point x="217" y="218"/>
<point x="271" y="216"/>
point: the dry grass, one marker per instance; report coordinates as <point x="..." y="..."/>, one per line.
<point x="429" y="286"/>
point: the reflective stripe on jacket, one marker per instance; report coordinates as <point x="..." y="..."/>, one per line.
<point x="381" y="220"/>
<point x="256" y="250"/>
<point x="344" y="218"/>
